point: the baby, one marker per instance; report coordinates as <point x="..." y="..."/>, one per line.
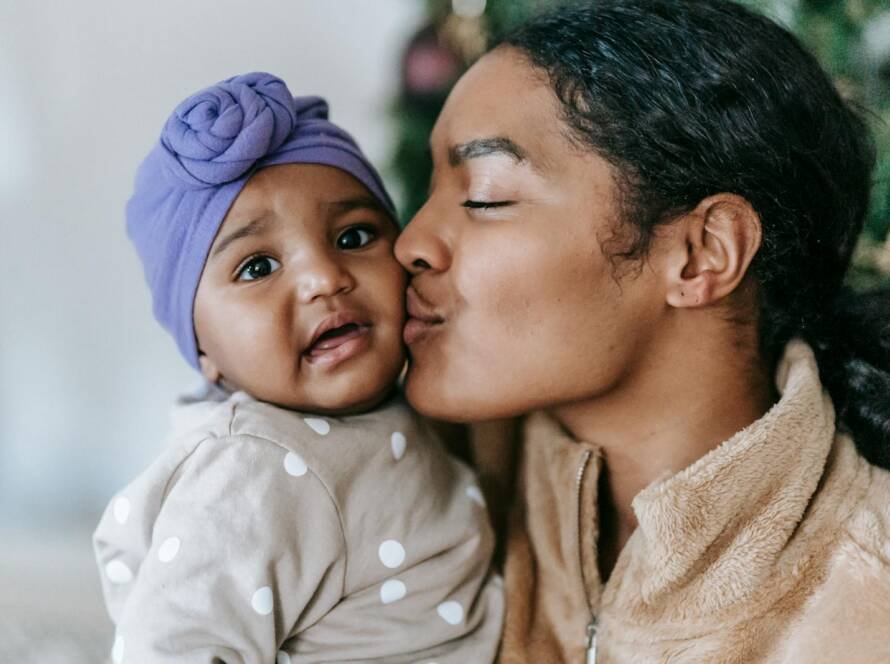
<point x="301" y="511"/>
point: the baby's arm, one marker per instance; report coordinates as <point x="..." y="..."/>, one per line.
<point x="246" y="550"/>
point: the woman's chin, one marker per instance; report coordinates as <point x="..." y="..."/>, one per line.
<point x="429" y="398"/>
<point x="451" y="401"/>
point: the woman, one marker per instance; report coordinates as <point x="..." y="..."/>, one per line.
<point x="640" y="217"/>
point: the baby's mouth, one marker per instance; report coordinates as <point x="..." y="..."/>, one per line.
<point x="335" y="338"/>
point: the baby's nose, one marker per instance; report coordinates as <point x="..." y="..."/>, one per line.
<point x="322" y="276"/>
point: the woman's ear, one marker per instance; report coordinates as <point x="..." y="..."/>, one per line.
<point x="713" y="249"/>
<point x="208" y="368"/>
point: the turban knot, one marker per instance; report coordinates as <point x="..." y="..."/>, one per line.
<point x="218" y="134"/>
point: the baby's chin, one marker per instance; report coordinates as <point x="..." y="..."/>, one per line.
<point x="348" y="396"/>
<point x="346" y="406"/>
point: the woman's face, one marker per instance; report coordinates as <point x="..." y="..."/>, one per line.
<point x="514" y="303"/>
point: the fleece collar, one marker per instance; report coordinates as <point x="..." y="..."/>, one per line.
<point x="718" y="538"/>
<point x="724" y="522"/>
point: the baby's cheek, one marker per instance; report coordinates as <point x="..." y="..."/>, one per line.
<point x="389" y="284"/>
<point x="398" y="274"/>
<point x="264" y="336"/>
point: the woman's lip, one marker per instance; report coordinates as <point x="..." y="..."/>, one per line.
<point x="420" y="309"/>
<point x="415" y="328"/>
<point x="422" y="317"/>
<point x="351" y="345"/>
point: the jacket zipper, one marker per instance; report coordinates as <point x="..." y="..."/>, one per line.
<point x="591" y="640"/>
<point x="592" y="625"/>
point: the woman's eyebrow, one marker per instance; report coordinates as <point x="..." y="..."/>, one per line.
<point x="484" y="147"/>
<point x="255" y="227"/>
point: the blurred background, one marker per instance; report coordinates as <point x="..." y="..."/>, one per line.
<point x="86" y="375"/>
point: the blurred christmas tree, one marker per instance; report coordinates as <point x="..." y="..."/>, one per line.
<point x="850" y="37"/>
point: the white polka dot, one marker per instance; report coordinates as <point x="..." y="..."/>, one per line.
<point x="294" y="464"/>
<point x="392" y="554"/>
<point x="451" y="612"/>
<point x="392" y="591"/>
<point x="262" y="601"/>
<point x="475" y="495"/>
<point x="398" y="443"/>
<point x="121" y="510"/>
<point x="282" y="658"/>
<point x="117" y="650"/>
<point x="168" y="550"/>
<point x="117" y="572"/>
<point x="318" y="425"/>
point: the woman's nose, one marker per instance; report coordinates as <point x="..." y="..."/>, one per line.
<point x="422" y="245"/>
<point x="320" y="276"/>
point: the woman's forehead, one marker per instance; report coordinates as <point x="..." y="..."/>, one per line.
<point x="500" y="97"/>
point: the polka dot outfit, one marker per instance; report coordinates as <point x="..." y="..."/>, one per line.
<point x="263" y="535"/>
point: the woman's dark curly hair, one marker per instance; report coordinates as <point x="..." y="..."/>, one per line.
<point x="689" y="98"/>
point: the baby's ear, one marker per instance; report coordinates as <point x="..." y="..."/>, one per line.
<point x="208" y="368"/>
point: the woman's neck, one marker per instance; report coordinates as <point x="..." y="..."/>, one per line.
<point x="686" y="399"/>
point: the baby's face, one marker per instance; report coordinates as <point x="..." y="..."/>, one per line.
<point x="301" y="302"/>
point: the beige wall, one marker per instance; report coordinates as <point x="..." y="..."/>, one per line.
<point x="85" y="373"/>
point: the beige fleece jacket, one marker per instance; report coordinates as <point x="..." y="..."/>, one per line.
<point x="774" y="547"/>
<point x="262" y="535"/>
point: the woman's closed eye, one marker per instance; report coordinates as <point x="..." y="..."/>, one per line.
<point x="257" y="267"/>
<point x="356" y="237"/>
<point x="485" y="205"/>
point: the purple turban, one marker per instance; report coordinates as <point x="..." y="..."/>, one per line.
<point x="214" y="141"/>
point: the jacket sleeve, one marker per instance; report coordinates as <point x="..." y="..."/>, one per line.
<point x="246" y="549"/>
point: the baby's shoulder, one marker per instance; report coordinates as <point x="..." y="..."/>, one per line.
<point x="332" y="443"/>
<point x="244" y="438"/>
<point x="229" y="452"/>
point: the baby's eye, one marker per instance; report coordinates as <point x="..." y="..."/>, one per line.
<point x="355" y="238"/>
<point x="257" y="268"/>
